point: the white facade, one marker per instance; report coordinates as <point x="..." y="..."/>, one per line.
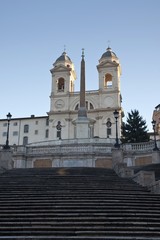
<point x="25" y="130"/>
<point x="64" y="102"/>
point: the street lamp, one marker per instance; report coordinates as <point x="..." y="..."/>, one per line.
<point x="7" y="140"/>
<point x="116" y="115"/>
<point x="155" y="142"/>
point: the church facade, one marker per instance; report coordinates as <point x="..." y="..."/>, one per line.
<point x="61" y="121"/>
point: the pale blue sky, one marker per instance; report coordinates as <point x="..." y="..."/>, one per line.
<point x="33" y="34"/>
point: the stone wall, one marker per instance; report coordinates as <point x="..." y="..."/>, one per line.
<point x="83" y="152"/>
<point x="6" y="161"/>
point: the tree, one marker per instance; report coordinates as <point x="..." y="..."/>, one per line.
<point x="135" y="129"/>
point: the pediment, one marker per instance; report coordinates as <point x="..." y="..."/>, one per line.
<point x="107" y="64"/>
<point x="60" y="68"/>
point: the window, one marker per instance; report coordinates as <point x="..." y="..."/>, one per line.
<point x="77" y="107"/>
<point x="108" y="81"/>
<point x="61" y="85"/>
<point x="36" y="132"/>
<point x="37" y="122"/>
<point x="89" y="106"/>
<point x="15" y="133"/>
<point x="4" y="134"/>
<point x="108" y="132"/>
<point x="47" y="121"/>
<point x="47" y="133"/>
<point x="25" y="140"/>
<point x="26" y="128"/>
<point x="15" y="124"/>
<point x="4" y="124"/>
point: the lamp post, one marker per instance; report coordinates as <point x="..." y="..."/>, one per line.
<point x="155" y="142"/>
<point x="116" y="115"/>
<point x="7" y="140"/>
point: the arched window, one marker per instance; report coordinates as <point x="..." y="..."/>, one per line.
<point x="89" y="106"/>
<point x="108" y="80"/>
<point x="61" y="85"/>
<point x="77" y="107"/>
<point x="47" y="121"/>
<point x="25" y="140"/>
<point x="47" y="133"/>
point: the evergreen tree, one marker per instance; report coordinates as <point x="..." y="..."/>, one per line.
<point x="135" y="129"/>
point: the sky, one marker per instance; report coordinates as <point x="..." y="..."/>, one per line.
<point x="33" y="34"/>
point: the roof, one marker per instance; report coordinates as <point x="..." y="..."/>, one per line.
<point x="63" y="58"/>
<point x="23" y="118"/>
<point x="108" y="53"/>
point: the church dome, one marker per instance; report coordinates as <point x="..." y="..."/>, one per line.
<point x="63" y="58"/>
<point x="109" y="54"/>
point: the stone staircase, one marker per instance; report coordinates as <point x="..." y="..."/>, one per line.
<point x="75" y="203"/>
<point x="150" y="167"/>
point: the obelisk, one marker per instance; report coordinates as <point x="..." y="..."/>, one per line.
<point x="82" y="112"/>
<point x="82" y="123"/>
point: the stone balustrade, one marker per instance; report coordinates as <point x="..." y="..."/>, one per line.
<point x="68" y="149"/>
<point x="138" y="147"/>
<point x="81" y="145"/>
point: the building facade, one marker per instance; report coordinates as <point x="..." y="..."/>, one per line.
<point x="156" y="118"/>
<point x="23" y="131"/>
<point x="60" y="123"/>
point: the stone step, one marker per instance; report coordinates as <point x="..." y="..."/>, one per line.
<point x="117" y="221"/>
<point x="149" y="167"/>
<point x="150" y="233"/>
<point x="57" y="194"/>
<point x="77" y="237"/>
<point x="83" y="222"/>
<point x="80" y="203"/>
<point x="72" y="227"/>
<point x="78" y="230"/>
<point x="97" y="213"/>
<point x="81" y="195"/>
<point x="103" y="208"/>
<point x="75" y="205"/>
<point x="65" y="199"/>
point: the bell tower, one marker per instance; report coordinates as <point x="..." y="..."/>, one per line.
<point x="63" y="75"/>
<point x="63" y="81"/>
<point x="109" y="71"/>
<point x="109" y="79"/>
